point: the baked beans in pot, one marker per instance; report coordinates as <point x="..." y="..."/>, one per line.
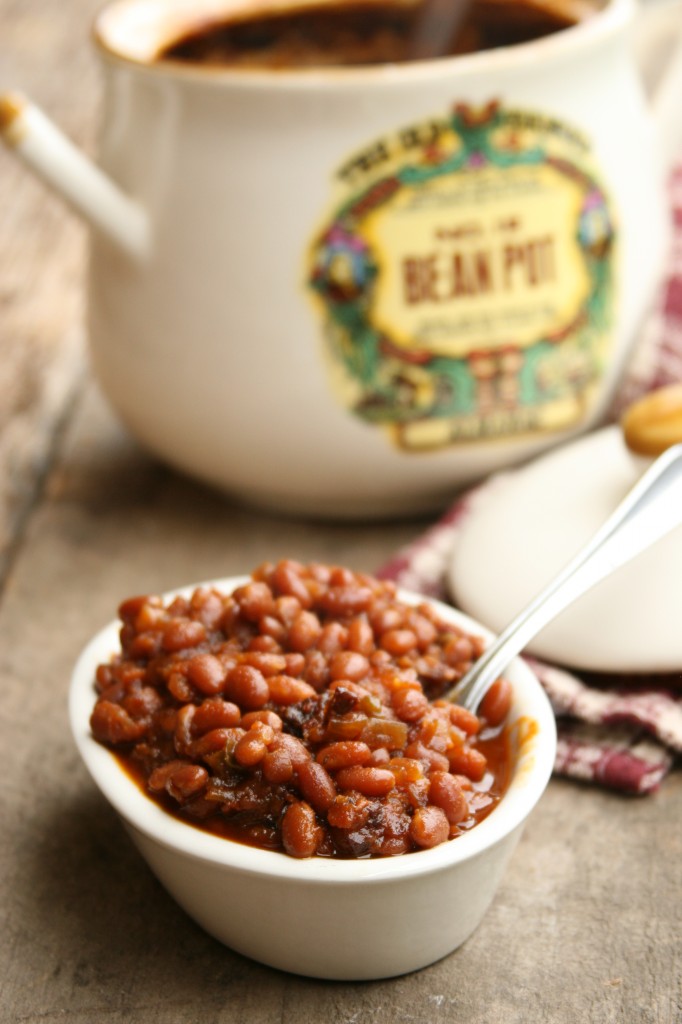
<point x="300" y="712"/>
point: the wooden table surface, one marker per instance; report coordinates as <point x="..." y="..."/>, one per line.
<point x="586" y="926"/>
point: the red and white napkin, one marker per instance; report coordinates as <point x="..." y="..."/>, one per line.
<point x="620" y="732"/>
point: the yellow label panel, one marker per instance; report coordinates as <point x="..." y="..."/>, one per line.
<point x="465" y="279"/>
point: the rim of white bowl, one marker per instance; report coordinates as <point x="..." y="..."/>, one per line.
<point x="144" y="814"/>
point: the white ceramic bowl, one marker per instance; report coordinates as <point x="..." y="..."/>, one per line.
<point x="325" y="918"/>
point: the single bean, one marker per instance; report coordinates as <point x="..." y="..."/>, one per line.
<point x="287" y="580"/>
<point x="150" y="617"/>
<point x="409" y="704"/>
<point x="369" y="781"/>
<point x="271" y="627"/>
<point x="387" y="618"/>
<point x="180" y="634"/>
<point x="250" y="750"/>
<point x="464" y="720"/>
<point x="344" y="754"/>
<point x="316" y="670"/>
<point x="497" y="702"/>
<point x="468" y="761"/>
<point x="265" y="661"/>
<point x="447" y="793"/>
<point x="186" y="782"/>
<point x="316" y="785"/>
<point x="360" y="636"/>
<point x="265" y="716"/>
<point x="255" y="600"/>
<point x="215" y="713"/>
<point x="287" y="609"/>
<point x="129" y="609"/>
<point x="266" y="644"/>
<point x="110" y="723"/>
<point x="301" y="833"/>
<point x="304" y="631"/>
<point x="345" y="600"/>
<point x="429" y="827"/>
<point x="348" y="665"/>
<point x="145" y="646"/>
<point x="215" y="740"/>
<point x="398" y="641"/>
<point x="296" y="750"/>
<point x="206" y="673"/>
<point x="458" y="651"/>
<point x="424" y="630"/>
<point x="277" y="766"/>
<point x="247" y="687"/>
<point x="207" y="606"/>
<point x="294" y="663"/>
<point x="180" y="687"/>
<point x="265" y="731"/>
<point x="287" y="690"/>
<point x="333" y="638"/>
<point x="143" y="702"/>
<point x="341" y="576"/>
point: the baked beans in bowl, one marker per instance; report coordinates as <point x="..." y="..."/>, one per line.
<point x="277" y="747"/>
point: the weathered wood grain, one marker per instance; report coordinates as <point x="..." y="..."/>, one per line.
<point x="44" y="52"/>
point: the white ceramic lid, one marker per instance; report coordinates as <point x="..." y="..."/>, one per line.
<point x="526" y="527"/>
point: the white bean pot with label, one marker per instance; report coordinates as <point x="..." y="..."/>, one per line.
<point x="349" y="291"/>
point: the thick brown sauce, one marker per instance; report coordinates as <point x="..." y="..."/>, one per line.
<point x="496" y="744"/>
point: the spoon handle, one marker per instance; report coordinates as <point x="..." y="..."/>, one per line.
<point x="650" y="510"/>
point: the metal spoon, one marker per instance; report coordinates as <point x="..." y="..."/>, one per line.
<point x="649" y="511"/>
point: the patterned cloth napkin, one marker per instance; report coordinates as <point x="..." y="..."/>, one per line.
<point x="620" y="732"/>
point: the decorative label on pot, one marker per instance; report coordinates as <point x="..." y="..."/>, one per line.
<point x="466" y="279"/>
